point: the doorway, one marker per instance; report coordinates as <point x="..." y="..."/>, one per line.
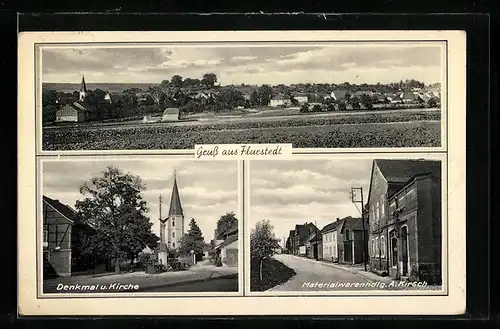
<point x="404" y="251"/>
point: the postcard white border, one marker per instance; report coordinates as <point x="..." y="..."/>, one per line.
<point x="453" y="303"/>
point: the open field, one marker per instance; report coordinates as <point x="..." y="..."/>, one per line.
<point x="418" y="128"/>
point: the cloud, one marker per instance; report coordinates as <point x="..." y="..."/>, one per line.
<point x="335" y="63"/>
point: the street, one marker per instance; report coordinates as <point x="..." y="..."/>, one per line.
<point x="311" y="272"/>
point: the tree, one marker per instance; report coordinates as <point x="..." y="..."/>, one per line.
<point x="230" y="97"/>
<point x="304" y="108"/>
<point x="265" y="93"/>
<point x="192" y="240"/>
<point x="209" y="79"/>
<point x="254" y="98"/>
<point x="156" y="94"/>
<point x="176" y="81"/>
<point x="294" y="101"/>
<point x="263" y="242"/>
<point x="224" y="223"/>
<point x="366" y="100"/>
<point x="114" y="207"/>
<point x="432" y="102"/>
<point x="49" y="106"/>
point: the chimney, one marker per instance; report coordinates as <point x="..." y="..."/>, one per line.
<point x="338" y="219"/>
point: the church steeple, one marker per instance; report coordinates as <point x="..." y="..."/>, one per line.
<point x="175" y="200"/>
<point x="83" y="90"/>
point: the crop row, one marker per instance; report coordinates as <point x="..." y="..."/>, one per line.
<point x="414" y="134"/>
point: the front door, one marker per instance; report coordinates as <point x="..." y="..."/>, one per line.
<point x="347" y="252"/>
<point x="394" y="250"/>
<point x="404" y="250"/>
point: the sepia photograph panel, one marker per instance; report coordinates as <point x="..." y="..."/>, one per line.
<point x="133" y="225"/>
<point x="338" y="95"/>
<point x="345" y="224"/>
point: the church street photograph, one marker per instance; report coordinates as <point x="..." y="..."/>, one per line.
<point x="346" y="223"/>
<point x="326" y="95"/>
<point x="132" y="224"/>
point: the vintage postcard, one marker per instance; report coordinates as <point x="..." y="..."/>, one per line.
<point x="242" y="173"/>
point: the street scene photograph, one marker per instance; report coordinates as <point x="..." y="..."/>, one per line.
<point x="139" y="225"/>
<point x="329" y="95"/>
<point x="357" y="223"/>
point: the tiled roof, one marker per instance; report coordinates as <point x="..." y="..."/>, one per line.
<point x="354" y="223"/>
<point x="171" y="110"/>
<point x="230" y="239"/>
<point x="332" y="226"/>
<point x="400" y="171"/>
<point x="65" y="210"/>
<point x="279" y="97"/>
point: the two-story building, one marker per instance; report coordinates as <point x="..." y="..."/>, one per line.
<point x="352" y="237"/>
<point x="314" y="249"/>
<point x="330" y="237"/>
<point x="404" y="209"/>
<point x="302" y="232"/>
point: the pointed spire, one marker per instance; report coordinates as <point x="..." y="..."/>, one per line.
<point x="83" y="86"/>
<point x="175" y="200"/>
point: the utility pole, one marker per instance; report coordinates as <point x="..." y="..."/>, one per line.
<point x="355" y="199"/>
<point x="316" y="256"/>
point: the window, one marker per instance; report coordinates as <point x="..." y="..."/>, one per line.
<point x="45" y="235"/>
<point x="382" y="206"/>
<point x="173" y="222"/>
<point x="382" y="246"/>
<point x="376" y="212"/>
<point x="173" y="234"/>
<point x="372" y="213"/>
<point x="377" y="247"/>
<point x="373" y="248"/>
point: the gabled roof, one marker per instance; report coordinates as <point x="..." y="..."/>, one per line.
<point x="171" y="110"/>
<point x="175" y="201"/>
<point x="299" y="95"/>
<point x="230" y="239"/>
<point x="65" y="210"/>
<point x="408" y="95"/>
<point x="280" y="97"/>
<point x="353" y="223"/>
<point x="331" y="226"/>
<point x="400" y="171"/>
<point x="339" y="94"/>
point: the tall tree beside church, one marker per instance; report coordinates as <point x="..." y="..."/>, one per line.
<point x="114" y="207"/>
<point x="192" y="240"/>
<point x="224" y="223"/>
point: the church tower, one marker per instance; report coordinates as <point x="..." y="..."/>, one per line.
<point x="175" y="221"/>
<point x="83" y="90"/>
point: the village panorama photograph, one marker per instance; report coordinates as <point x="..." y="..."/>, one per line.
<point x="331" y="95"/>
<point x="319" y="226"/>
<point x="139" y="226"/>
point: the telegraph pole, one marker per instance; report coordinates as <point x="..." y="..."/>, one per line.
<point x="355" y="200"/>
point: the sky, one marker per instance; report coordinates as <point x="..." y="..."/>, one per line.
<point x="203" y="198"/>
<point x="295" y="192"/>
<point x="347" y="62"/>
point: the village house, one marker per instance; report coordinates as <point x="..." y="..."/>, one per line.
<point x="300" y="97"/>
<point x="73" y="112"/>
<point x="338" y="95"/>
<point x="280" y="100"/>
<point x="302" y="232"/>
<point x="330" y="237"/>
<point x="409" y="97"/>
<point x="352" y="237"/>
<point x="171" y="114"/>
<point x="290" y="242"/>
<point x="62" y="238"/>
<point x="404" y="205"/>
<point x="228" y="248"/>
<point x="314" y="248"/>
